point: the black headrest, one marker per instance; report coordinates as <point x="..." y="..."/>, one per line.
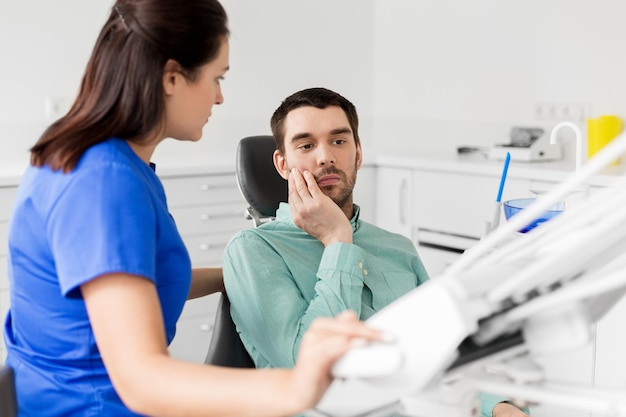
<point x="259" y="182"/>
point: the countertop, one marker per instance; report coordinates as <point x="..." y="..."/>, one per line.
<point x="555" y="171"/>
<point x="10" y="174"/>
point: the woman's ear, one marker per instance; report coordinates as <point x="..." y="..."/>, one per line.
<point x="172" y="76"/>
<point x="279" y="163"/>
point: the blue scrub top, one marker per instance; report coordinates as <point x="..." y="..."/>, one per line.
<point x="107" y="215"/>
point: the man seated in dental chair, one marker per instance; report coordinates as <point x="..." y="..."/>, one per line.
<point x="317" y="258"/>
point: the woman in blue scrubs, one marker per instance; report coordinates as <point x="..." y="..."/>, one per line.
<point x="98" y="271"/>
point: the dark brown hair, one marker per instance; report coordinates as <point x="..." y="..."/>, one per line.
<point x="121" y="93"/>
<point x="314" y="97"/>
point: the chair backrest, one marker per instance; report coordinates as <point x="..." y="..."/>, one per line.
<point x="8" y="397"/>
<point x="226" y="348"/>
<point x="259" y="182"/>
<point x="263" y="188"/>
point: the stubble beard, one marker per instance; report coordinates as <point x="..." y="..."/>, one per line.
<point x="341" y="195"/>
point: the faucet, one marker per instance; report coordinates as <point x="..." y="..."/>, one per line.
<point x="579" y="140"/>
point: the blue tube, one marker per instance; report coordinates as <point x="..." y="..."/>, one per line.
<point x="507" y="160"/>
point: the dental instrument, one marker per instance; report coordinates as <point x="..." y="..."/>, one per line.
<point x="480" y="325"/>
<point x="495" y="218"/>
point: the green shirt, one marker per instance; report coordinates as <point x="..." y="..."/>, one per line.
<point x="279" y="279"/>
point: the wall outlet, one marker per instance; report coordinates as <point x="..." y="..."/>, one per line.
<point x="562" y="112"/>
<point x="56" y="107"/>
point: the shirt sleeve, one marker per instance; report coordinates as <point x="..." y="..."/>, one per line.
<point x="418" y="267"/>
<point x="103" y="222"/>
<point x="269" y="310"/>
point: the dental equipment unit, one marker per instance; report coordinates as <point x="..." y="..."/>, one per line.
<point x="511" y="298"/>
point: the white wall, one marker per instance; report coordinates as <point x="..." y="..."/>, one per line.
<point x="44" y="47"/>
<point x="277" y="47"/>
<point x="462" y="72"/>
<point x="426" y="75"/>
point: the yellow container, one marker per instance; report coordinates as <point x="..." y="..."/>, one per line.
<point x="600" y="132"/>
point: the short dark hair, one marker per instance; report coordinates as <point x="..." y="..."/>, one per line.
<point x="121" y="93"/>
<point x="316" y="97"/>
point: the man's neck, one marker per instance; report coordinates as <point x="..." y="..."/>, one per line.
<point x="348" y="209"/>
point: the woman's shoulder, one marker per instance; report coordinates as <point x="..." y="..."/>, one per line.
<point x="113" y="152"/>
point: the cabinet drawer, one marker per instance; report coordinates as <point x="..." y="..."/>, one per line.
<point x="436" y="260"/>
<point x="203" y="306"/>
<point x="459" y="203"/>
<point x="210" y="219"/>
<point x="201" y="190"/>
<point x="193" y="336"/>
<point x="194" y="329"/>
<point x="4" y="238"/>
<point x="4" y="273"/>
<point x="7" y="195"/>
<point x="207" y="250"/>
<point x="4" y="308"/>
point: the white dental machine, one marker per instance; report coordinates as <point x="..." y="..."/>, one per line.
<point x="505" y="301"/>
<point x="527" y="145"/>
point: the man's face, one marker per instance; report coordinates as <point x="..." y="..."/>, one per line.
<point x="321" y="141"/>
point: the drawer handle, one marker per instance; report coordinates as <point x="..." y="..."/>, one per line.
<point x="208" y="187"/>
<point x="206" y="327"/>
<point x="208" y="246"/>
<point x="206" y="217"/>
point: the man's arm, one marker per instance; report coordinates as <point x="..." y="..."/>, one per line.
<point x="270" y="311"/>
<point x="205" y="281"/>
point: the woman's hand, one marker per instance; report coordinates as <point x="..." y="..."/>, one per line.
<point x="507" y="410"/>
<point x="326" y="341"/>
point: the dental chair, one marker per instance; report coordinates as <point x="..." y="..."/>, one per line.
<point x="259" y="182"/>
<point x="8" y="397"/>
<point x="263" y="188"/>
<point x="226" y="348"/>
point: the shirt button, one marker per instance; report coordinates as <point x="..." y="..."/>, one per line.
<point x="365" y="272"/>
<point x="360" y="265"/>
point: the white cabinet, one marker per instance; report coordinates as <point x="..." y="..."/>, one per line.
<point x="394" y="199"/>
<point x="365" y="192"/>
<point x="459" y="203"/>
<point x="7" y="195"/>
<point x="208" y="210"/>
<point x="444" y="212"/>
<point x="450" y="212"/>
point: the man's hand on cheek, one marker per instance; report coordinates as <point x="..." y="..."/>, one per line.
<point x="316" y="213"/>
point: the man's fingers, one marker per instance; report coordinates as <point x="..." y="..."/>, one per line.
<point x="296" y="184"/>
<point x="304" y="184"/>
<point x="311" y="184"/>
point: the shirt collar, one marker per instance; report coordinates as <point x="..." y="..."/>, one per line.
<point x="284" y="214"/>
